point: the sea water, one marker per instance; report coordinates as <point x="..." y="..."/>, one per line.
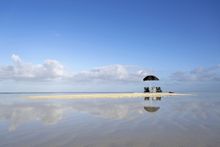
<point x="177" y="121"/>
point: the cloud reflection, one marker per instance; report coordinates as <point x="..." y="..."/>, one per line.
<point x="18" y="114"/>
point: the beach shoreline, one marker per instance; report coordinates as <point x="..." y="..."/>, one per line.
<point x="105" y="95"/>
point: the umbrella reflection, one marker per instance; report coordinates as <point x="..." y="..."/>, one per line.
<point x="151" y="108"/>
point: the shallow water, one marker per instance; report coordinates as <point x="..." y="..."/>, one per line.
<point x="184" y="121"/>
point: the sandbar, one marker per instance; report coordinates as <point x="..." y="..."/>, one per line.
<point x="105" y="95"/>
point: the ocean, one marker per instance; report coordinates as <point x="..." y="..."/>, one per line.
<point x="177" y="121"/>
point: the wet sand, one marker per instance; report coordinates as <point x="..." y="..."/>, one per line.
<point x="105" y="95"/>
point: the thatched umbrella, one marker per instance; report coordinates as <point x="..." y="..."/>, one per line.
<point x="151" y="78"/>
<point x="151" y="108"/>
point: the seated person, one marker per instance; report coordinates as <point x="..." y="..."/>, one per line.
<point x="146" y="89"/>
<point x="158" y="89"/>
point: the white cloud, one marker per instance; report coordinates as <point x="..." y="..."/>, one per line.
<point x="112" y="73"/>
<point x="53" y="69"/>
<point x="17" y="60"/>
<point x="50" y="69"/>
<point x="198" y="74"/>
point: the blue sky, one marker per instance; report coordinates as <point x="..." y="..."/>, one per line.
<point x="115" y="36"/>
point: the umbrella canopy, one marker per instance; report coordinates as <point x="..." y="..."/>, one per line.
<point x="151" y="108"/>
<point x="151" y="78"/>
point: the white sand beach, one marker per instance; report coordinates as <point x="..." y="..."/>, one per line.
<point x="105" y="95"/>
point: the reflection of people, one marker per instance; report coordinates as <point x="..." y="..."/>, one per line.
<point x="158" y="98"/>
<point x="153" y="98"/>
<point x="147" y="98"/>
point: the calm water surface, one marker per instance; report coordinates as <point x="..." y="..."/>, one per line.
<point x="189" y="121"/>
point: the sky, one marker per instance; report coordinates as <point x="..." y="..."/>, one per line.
<point x="109" y="45"/>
